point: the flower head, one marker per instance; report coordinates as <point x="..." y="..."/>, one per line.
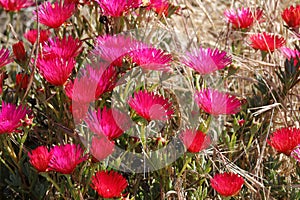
<point x="284" y="140"/>
<point x="118" y="7"/>
<point x="206" y="61"/>
<point x="109" y="184"/>
<point x="54" y="15"/>
<point x="227" y="184"/>
<point x="4" y="57"/>
<point x="162" y="7"/>
<point x="194" y="140"/>
<point x="40" y="158"/>
<point x="32" y="35"/>
<point x="20" y="52"/>
<point x="65" y="158"/>
<point x="266" y="41"/>
<point x="296" y="153"/>
<point x="217" y="103"/>
<point x="291" y="16"/>
<point x="242" y="18"/>
<point x="151" y="106"/>
<point x="101" y="147"/>
<point x="290" y="54"/>
<point x="11" y="116"/>
<point x="15" y="5"/>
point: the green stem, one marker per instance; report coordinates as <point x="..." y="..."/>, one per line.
<point x="187" y="161"/>
<point x="68" y="176"/>
<point x="46" y="175"/>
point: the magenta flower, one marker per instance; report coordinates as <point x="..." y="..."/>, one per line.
<point x="40" y="158"/>
<point x="195" y="140"/>
<point x="242" y="18"/>
<point x="101" y="147"/>
<point x="65" y="158"/>
<point x="4" y="57"/>
<point x="15" y="5"/>
<point x="32" y="35"/>
<point x="109" y="122"/>
<point x="217" y="103"/>
<point x="151" y="58"/>
<point x="266" y="41"/>
<point x="151" y="106"/>
<point x="290" y="54"/>
<point x="206" y="61"/>
<point x="118" y="7"/>
<point x="296" y="153"/>
<point x="11" y="117"/>
<point x="54" y="15"/>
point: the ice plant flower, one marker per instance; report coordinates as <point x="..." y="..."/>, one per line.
<point x="22" y="80"/>
<point x="4" y="57"/>
<point x="296" y="153"/>
<point x="101" y="147"/>
<point x="291" y="16"/>
<point x="195" y="140"/>
<point x="242" y="18"/>
<point x="151" y="106"/>
<point x="290" y="54"/>
<point x="40" y="158"/>
<point x="111" y="123"/>
<point x="32" y="35"/>
<point x="109" y="184"/>
<point x="206" y="61"/>
<point x="15" y="5"/>
<point x="285" y="140"/>
<point x="217" y="103"/>
<point x="19" y="52"/>
<point x="11" y="117"/>
<point x="54" y="15"/>
<point x="266" y="41"/>
<point x="227" y="184"/>
<point x="117" y="8"/>
<point x="162" y="7"/>
<point x="65" y="158"/>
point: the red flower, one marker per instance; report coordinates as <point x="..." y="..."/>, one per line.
<point x="32" y="35"/>
<point x="194" y="140"/>
<point x="19" y="52"/>
<point x="227" y="184"/>
<point x="22" y="80"/>
<point x="217" y="103"/>
<point x="101" y="147"/>
<point x="11" y="116"/>
<point x="65" y="158"/>
<point x="266" y="41"/>
<point x="291" y="16"/>
<point x="15" y="5"/>
<point x="118" y="7"/>
<point x="206" y="61"/>
<point x="242" y="18"/>
<point x="163" y="7"/>
<point x="4" y="57"/>
<point x="109" y="184"/>
<point x="54" y="15"/>
<point x="110" y="122"/>
<point x="39" y="158"/>
<point x="284" y="140"/>
<point x="151" y="106"/>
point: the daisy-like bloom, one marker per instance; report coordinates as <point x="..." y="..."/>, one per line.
<point x="242" y="18"/>
<point x="109" y="184"/>
<point x="65" y="158"/>
<point x="22" y="80"/>
<point x="32" y="35"/>
<point x="285" y="140"/>
<point x="101" y="147"/>
<point x="118" y="7"/>
<point x="195" y="140"/>
<point x="151" y="58"/>
<point x="11" y="117"/>
<point x="109" y="122"/>
<point x="19" y="52"/>
<point x="290" y="54"/>
<point x="227" y="184"/>
<point x="291" y="16"/>
<point x="15" y="5"/>
<point x="54" y="15"/>
<point x="40" y="158"/>
<point x="296" y="153"/>
<point x="266" y="41"/>
<point x="151" y="106"/>
<point x="217" y="103"/>
<point x="206" y="61"/>
<point x="4" y="57"/>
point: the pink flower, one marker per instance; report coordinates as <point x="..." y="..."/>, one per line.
<point x="151" y="58"/>
<point x="15" y="5"/>
<point x="32" y="35"/>
<point x="195" y="140"/>
<point x="118" y="7"/>
<point x="151" y="106"/>
<point x="101" y="147"/>
<point x="266" y="41"/>
<point x="206" y="61"/>
<point x="110" y="122"/>
<point x="285" y="140"/>
<point x="65" y="158"/>
<point x="4" y="57"/>
<point x="290" y="54"/>
<point x="242" y="18"/>
<point x="54" y="15"/>
<point x="11" y="117"/>
<point x="109" y="184"/>
<point x="40" y="158"/>
<point x="217" y="103"/>
<point x="291" y="16"/>
<point x="296" y="153"/>
<point x="227" y="184"/>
